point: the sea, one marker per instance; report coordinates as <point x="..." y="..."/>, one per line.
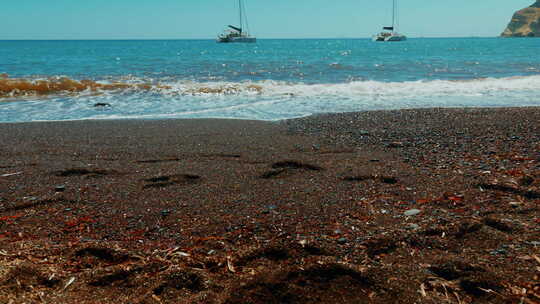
<point x="268" y="80"/>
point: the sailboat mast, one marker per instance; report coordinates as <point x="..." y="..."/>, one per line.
<point x="394" y="16"/>
<point x="241" y="17"/>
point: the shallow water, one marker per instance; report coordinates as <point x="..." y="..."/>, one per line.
<point x="269" y="80"/>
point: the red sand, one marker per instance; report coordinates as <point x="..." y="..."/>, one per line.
<point x="302" y="211"/>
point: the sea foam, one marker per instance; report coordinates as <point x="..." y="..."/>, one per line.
<point x="131" y="97"/>
<point x="13" y="88"/>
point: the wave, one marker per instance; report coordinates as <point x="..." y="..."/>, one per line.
<point x="17" y="87"/>
<point x="12" y="88"/>
<point x="131" y="97"/>
<point x="20" y="87"/>
<point x="359" y="90"/>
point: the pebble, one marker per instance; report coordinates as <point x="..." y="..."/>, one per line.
<point x="60" y="188"/>
<point x="363" y="133"/>
<point x="499" y="252"/>
<point x="515" y="204"/>
<point x="412" y="212"/>
<point x="389" y="180"/>
<point x="102" y="104"/>
<point x="396" y="144"/>
<point x="526" y="181"/>
<point x="342" y="241"/>
<point x="271" y="208"/>
<point x="413" y="227"/>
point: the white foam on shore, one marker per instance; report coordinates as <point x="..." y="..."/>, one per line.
<point x="270" y="88"/>
<point x="273" y="100"/>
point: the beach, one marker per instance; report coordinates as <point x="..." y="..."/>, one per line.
<point x="407" y="206"/>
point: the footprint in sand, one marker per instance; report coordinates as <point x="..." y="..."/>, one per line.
<point x="169" y="180"/>
<point x="286" y="168"/>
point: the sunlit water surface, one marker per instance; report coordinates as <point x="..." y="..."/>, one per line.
<point x="269" y="80"/>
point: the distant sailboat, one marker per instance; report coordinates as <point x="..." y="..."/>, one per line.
<point x="237" y="33"/>
<point x="389" y="33"/>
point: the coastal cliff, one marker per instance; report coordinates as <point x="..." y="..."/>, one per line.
<point x="525" y="23"/>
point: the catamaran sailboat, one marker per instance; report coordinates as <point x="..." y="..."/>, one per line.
<point x="389" y="33"/>
<point x="238" y="33"/>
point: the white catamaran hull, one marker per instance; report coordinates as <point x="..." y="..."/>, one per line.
<point x="394" y="38"/>
<point x="237" y="40"/>
<point x="389" y="38"/>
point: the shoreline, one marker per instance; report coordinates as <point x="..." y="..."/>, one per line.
<point x="421" y="205"/>
<point x="314" y="115"/>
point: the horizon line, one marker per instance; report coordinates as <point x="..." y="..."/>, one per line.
<point x="187" y="39"/>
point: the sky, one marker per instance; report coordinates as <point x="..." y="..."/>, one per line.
<point x="194" y="19"/>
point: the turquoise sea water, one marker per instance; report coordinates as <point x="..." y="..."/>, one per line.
<point x="272" y="79"/>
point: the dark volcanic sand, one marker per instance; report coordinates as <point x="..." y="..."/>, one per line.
<point x="302" y="211"/>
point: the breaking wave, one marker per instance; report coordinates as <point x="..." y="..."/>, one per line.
<point x="17" y="87"/>
<point x="62" y="98"/>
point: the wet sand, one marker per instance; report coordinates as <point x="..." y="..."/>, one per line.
<point x="412" y="206"/>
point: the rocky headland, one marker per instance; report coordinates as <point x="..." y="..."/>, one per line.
<point x="525" y="23"/>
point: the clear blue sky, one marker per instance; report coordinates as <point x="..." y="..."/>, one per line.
<point x="171" y="19"/>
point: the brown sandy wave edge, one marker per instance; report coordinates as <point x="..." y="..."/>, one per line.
<point x="20" y="87"/>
